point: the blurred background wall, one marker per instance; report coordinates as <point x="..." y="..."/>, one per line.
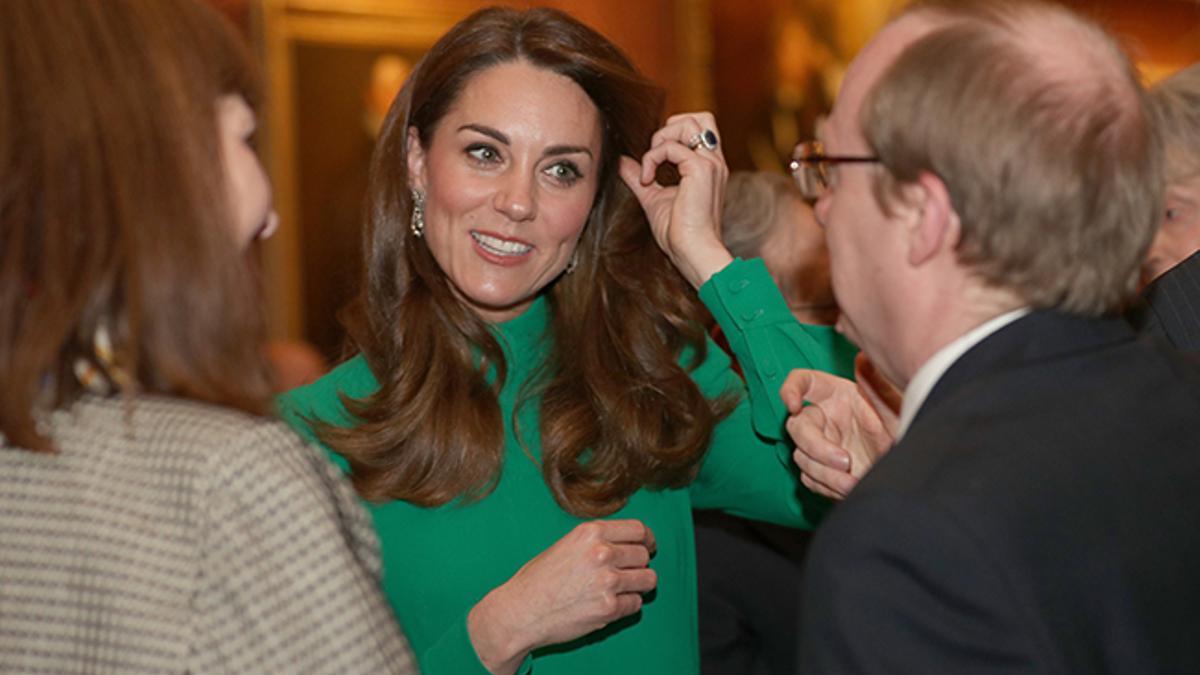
<point x="768" y="68"/>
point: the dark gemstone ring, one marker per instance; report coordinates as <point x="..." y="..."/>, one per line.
<point x="706" y="139"/>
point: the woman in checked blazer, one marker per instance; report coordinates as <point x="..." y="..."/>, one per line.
<point x="152" y="518"/>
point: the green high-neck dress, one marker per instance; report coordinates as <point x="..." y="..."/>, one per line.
<point x="438" y="562"/>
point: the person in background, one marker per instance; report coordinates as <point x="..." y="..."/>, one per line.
<point x="154" y="517"/>
<point x="766" y="217"/>
<point x="1037" y="511"/>
<point x="1176" y="102"/>
<point x="537" y="406"/>
<point x="1169" y="307"/>
<point x="748" y="621"/>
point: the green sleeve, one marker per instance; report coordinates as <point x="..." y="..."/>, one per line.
<point x="767" y="339"/>
<point x="748" y="469"/>
<point x="453" y="654"/>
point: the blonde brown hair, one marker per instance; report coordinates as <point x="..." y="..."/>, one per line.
<point x="113" y="209"/>
<point x="618" y="412"/>
<point x="1055" y="175"/>
<point x="1177" y="112"/>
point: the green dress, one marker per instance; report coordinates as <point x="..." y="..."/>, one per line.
<point x="438" y="562"/>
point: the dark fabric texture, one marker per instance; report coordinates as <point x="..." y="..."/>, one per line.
<point x="748" y="573"/>
<point x="1170" y="306"/>
<point x="1040" y="516"/>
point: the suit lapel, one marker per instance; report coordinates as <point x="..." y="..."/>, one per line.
<point x="1170" y="307"/>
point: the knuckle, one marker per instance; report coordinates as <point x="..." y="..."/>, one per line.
<point x="590" y="530"/>
<point x="607" y="579"/>
<point x="602" y="554"/>
<point x="609" y="605"/>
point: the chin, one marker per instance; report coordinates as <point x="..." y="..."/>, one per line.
<point x="494" y="307"/>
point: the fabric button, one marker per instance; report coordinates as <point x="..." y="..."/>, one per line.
<point x="738" y="286"/>
<point x="752" y="315"/>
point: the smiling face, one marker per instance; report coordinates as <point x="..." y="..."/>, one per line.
<point x="509" y="178"/>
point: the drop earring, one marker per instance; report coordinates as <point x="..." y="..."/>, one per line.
<point x="417" y="225"/>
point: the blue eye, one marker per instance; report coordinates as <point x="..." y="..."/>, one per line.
<point x="484" y="154"/>
<point x="565" y="173"/>
<point x="1172" y="214"/>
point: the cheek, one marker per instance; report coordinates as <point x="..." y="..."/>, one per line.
<point x="451" y="195"/>
<point x="568" y="218"/>
<point x="248" y="188"/>
<point x="1191" y="226"/>
<point x="258" y="186"/>
<point x="563" y="214"/>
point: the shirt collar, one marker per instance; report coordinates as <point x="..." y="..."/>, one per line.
<point x="932" y="370"/>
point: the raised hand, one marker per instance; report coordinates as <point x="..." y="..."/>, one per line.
<point x="591" y="577"/>
<point x="844" y="428"/>
<point x="685" y="218"/>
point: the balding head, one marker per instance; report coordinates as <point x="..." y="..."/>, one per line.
<point x="1034" y="119"/>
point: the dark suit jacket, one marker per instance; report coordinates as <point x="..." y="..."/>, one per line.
<point x="1041" y="515"/>
<point x="1170" y="307"/>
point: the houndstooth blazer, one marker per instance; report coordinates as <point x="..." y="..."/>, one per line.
<point x="171" y="536"/>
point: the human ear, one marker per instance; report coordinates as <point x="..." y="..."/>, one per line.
<point x="932" y="224"/>
<point x="416" y="161"/>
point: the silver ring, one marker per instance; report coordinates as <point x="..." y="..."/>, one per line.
<point x="706" y="139"/>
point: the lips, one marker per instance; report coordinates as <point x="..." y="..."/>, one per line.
<point x="499" y="246"/>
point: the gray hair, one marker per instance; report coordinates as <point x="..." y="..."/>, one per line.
<point x="1035" y="120"/>
<point x="1176" y="103"/>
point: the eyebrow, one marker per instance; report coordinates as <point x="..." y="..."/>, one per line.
<point x="1179" y="196"/>
<point x="550" y="151"/>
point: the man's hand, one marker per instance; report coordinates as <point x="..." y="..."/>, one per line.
<point x="840" y="427"/>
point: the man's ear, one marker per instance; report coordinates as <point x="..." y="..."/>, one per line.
<point x="416" y="161"/>
<point x="933" y="226"/>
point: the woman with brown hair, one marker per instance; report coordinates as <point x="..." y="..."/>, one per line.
<point x="153" y="518"/>
<point x="536" y="407"/>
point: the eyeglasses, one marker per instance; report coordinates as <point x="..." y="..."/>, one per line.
<point x="812" y="169"/>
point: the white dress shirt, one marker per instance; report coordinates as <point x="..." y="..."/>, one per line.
<point x="932" y="370"/>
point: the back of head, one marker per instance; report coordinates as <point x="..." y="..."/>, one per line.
<point x="751" y="199"/>
<point x="1034" y="119"/>
<point x="113" y="209"/>
<point x="1177" y="112"/>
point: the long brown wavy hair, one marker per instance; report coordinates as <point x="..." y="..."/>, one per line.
<point x="618" y="411"/>
<point x="113" y="210"/>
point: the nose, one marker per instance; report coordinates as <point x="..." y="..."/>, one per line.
<point x="516" y="197"/>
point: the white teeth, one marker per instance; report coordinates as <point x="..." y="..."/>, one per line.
<point x="501" y="246"/>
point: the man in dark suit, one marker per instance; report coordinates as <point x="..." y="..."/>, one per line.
<point x="1170" y="306"/>
<point x="988" y="184"/>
